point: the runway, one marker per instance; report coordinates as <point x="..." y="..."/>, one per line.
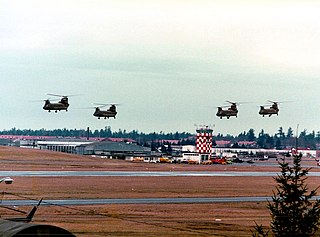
<point x="140" y="173"/>
<point x="104" y="201"/>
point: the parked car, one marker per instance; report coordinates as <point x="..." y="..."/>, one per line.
<point x="164" y="160"/>
<point x="207" y="162"/>
<point x="193" y="162"/>
<point x="237" y="160"/>
<point x="219" y="161"/>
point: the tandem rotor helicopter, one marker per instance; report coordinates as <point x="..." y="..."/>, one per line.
<point x="111" y="112"/>
<point x="229" y="112"/>
<point x="273" y="109"/>
<point x="232" y="109"/>
<point x="62" y="104"/>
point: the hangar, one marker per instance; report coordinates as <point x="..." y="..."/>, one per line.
<point x="112" y="149"/>
<point x="17" y="229"/>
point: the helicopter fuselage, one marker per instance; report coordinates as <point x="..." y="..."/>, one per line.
<point x="61" y="105"/>
<point x="269" y="111"/>
<point x="227" y="112"/>
<point x="105" y="113"/>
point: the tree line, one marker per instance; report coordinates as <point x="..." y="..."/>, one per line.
<point x="140" y="137"/>
<point x="281" y="139"/>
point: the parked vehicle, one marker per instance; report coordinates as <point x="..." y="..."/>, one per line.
<point x="193" y="162"/>
<point x="207" y="162"/>
<point x="164" y="160"/>
<point x="237" y="160"/>
<point x="221" y="161"/>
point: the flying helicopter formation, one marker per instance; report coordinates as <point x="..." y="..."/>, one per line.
<point x="225" y="111"/>
<point x="63" y="104"/>
<point x="232" y="110"/>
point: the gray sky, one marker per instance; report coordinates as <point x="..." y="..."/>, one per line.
<point x="168" y="63"/>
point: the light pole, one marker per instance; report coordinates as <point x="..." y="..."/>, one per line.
<point x="7" y="180"/>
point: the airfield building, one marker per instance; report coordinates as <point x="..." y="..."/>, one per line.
<point x="111" y="149"/>
<point x="203" y="149"/>
<point x="204" y="143"/>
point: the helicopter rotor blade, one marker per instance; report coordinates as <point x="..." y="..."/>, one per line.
<point x="223" y="106"/>
<point x="64" y="95"/>
<point x="49" y="99"/>
<point x="92" y="107"/>
<point x="57" y="95"/>
<point x="273" y="102"/>
<point x="37" y="100"/>
<point x="108" y="104"/>
<point x="280" y="102"/>
<point x="238" y="103"/>
<point x="230" y="102"/>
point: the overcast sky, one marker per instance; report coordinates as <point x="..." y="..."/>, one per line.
<point x="168" y="64"/>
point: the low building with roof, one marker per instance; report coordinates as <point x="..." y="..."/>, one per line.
<point x="112" y="149"/>
<point x="223" y="143"/>
<point x="62" y="145"/>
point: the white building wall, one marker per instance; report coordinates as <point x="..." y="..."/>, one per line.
<point x="189" y="148"/>
<point x="191" y="156"/>
<point x="229" y="152"/>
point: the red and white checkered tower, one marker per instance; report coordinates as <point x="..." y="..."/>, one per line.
<point x="204" y="140"/>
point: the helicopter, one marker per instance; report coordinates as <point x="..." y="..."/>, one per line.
<point x="273" y="109"/>
<point x="229" y="112"/>
<point x="109" y="113"/>
<point x="61" y="105"/>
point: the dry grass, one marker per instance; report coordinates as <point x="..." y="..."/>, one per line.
<point x="215" y="219"/>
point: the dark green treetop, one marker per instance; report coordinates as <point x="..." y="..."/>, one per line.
<point x="294" y="212"/>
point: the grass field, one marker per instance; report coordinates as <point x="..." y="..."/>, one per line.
<point x="215" y="219"/>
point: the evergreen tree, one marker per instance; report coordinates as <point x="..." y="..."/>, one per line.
<point x="290" y="132"/>
<point x="261" y="141"/>
<point x="281" y="133"/>
<point x="278" y="144"/>
<point x="293" y="212"/>
<point x="269" y="141"/>
<point x="250" y="135"/>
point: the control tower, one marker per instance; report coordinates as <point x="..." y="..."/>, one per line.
<point x="204" y="142"/>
